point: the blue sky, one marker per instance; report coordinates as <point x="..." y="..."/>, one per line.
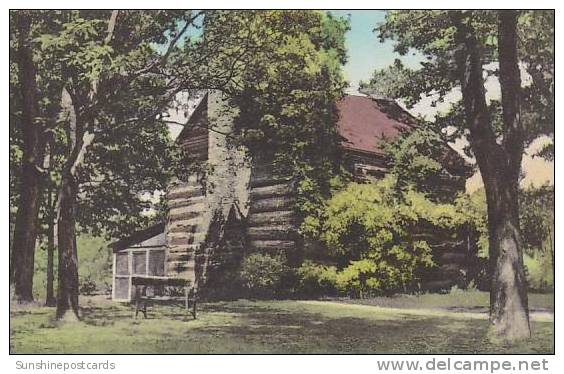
<point x="365" y="51"/>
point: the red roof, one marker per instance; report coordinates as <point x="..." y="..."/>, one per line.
<point x="364" y="122"/>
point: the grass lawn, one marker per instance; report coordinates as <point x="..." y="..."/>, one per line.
<point x="458" y="300"/>
<point x="423" y="324"/>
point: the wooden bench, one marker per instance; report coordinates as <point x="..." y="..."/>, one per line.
<point x="140" y="283"/>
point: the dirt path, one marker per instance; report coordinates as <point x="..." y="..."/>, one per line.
<point x="537" y="314"/>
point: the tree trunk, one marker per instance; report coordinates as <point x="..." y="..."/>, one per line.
<point x="80" y="139"/>
<point x="67" y="293"/>
<point x="499" y="166"/>
<point x="50" y="299"/>
<point x="509" y="313"/>
<point x="67" y="290"/>
<point x="551" y="248"/>
<point x="51" y="215"/>
<point x="26" y="225"/>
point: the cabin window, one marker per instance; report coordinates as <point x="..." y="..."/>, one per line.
<point x="121" y="278"/>
<point x="122" y="266"/>
<point x="156" y="263"/>
<point x="139" y="262"/>
<point x="121" y="291"/>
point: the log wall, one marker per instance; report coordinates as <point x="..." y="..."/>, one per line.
<point x="186" y="227"/>
<point x="454" y="254"/>
<point x="272" y="221"/>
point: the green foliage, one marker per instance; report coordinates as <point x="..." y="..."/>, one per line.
<point x="95" y="260"/>
<point x="360" y="279"/>
<point x="536" y="50"/>
<point x="371" y="277"/>
<point x="536" y="208"/>
<point x="120" y="184"/>
<point x="369" y="227"/>
<point x="376" y="206"/>
<point x="536" y="211"/>
<point x="94" y="264"/>
<point x="286" y="90"/>
<point x="431" y="33"/>
<point x="540" y="272"/>
<point x="476" y="208"/>
<point x="385" y="82"/>
<point x="458" y="45"/>
<point x="283" y="67"/>
<point x="40" y="273"/>
<point x="87" y="286"/>
<point x="313" y="203"/>
<point x="536" y="216"/>
<point x="263" y="274"/>
<point x="315" y="280"/>
<point x="417" y="159"/>
<point x="118" y="91"/>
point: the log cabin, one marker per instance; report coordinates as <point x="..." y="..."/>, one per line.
<point x="239" y="206"/>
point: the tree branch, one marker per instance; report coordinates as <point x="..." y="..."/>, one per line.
<point x="469" y="62"/>
<point x="164" y="59"/>
<point x="175" y="40"/>
<point x="111" y="26"/>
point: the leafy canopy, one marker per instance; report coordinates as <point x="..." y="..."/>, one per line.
<point x="115" y="98"/>
<point x="286" y="87"/>
<point x="432" y="34"/>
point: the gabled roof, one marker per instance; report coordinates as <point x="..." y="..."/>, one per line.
<point x="192" y="124"/>
<point x="364" y="122"/>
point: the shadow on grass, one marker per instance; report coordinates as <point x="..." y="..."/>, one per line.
<point x="262" y="327"/>
<point x="314" y="332"/>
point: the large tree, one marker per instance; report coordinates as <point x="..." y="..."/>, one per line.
<point x="33" y="111"/>
<point x="460" y="49"/>
<point x="110" y="84"/>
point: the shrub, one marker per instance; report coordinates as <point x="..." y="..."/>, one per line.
<point x="359" y="279"/>
<point x="263" y="274"/>
<point x="87" y="286"/>
<point x="369" y="226"/>
<point x="394" y="271"/>
<point x="539" y="272"/>
<point x="316" y="280"/>
<point x="107" y="288"/>
<point x="371" y="229"/>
